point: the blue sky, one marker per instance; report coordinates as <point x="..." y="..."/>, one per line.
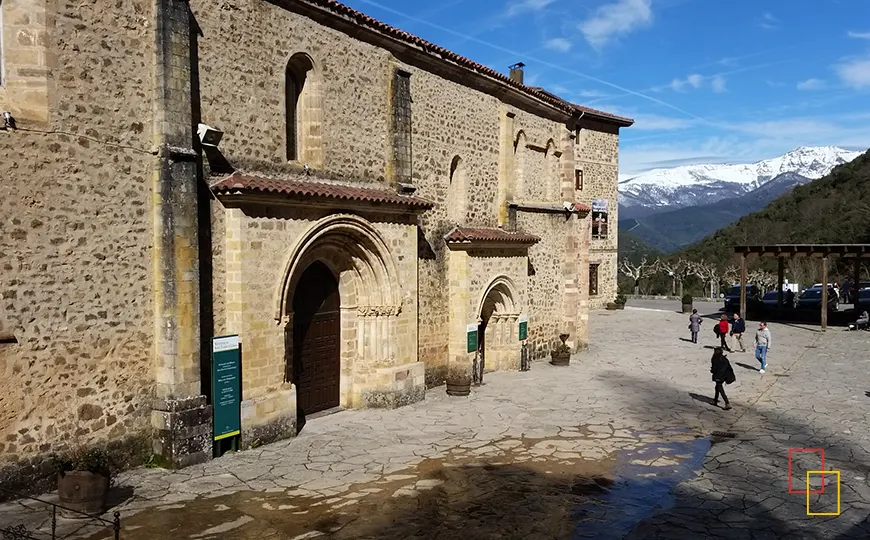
<point x="705" y="80"/>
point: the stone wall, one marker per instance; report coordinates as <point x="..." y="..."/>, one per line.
<point x="75" y="263"/>
<point x="597" y="155"/>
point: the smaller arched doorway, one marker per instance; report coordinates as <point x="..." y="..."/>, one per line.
<point x="499" y="347"/>
<point x="316" y="340"/>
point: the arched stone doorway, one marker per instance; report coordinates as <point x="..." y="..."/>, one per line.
<point x="315" y="366"/>
<point x="340" y="273"/>
<point x="499" y="346"/>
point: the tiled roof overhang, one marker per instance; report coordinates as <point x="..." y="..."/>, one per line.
<point x="333" y="13"/>
<point x="272" y="189"/>
<point x="469" y="237"/>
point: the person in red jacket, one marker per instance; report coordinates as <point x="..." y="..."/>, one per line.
<point x="722" y="330"/>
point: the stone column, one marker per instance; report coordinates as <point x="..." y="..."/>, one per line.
<point x="571" y="264"/>
<point x="181" y="417"/>
<point x="460" y="362"/>
<point x="583" y="230"/>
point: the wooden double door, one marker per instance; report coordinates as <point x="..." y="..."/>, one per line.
<point x="316" y="365"/>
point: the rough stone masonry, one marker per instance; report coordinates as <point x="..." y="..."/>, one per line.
<point x="420" y="192"/>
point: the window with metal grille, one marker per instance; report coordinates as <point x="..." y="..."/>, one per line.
<point x="402" y="125"/>
<point x="593" y="279"/>
<point x="578" y="179"/>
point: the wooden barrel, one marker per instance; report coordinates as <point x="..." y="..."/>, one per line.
<point x="82" y="491"/>
<point x="458" y="389"/>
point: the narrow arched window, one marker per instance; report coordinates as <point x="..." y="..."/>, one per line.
<point x="457" y="192"/>
<point x="298" y="101"/>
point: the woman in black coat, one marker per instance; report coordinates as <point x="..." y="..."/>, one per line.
<point x="722" y="372"/>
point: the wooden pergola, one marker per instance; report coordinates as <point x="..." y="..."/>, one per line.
<point x="856" y="252"/>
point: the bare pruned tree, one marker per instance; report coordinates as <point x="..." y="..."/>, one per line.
<point x="731" y="275"/>
<point x="636" y="271"/>
<point x="677" y="269"/>
<point x="764" y="280"/>
<point x="709" y="274"/>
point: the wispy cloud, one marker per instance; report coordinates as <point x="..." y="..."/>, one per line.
<point x="855" y="72"/>
<point x="654" y="122"/>
<point x="680" y="85"/>
<point x="611" y="21"/>
<point x="859" y="35"/>
<point x="768" y="21"/>
<point x="812" y="84"/>
<point x="524" y="6"/>
<point x="558" y="44"/>
<point x="718" y="84"/>
<point x="592" y="94"/>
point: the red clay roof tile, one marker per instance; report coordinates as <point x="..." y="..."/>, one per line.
<point x="363" y="19"/>
<point x="297" y="188"/>
<point x="488" y="234"/>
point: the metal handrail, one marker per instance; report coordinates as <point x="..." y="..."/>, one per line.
<point x="20" y="532"/>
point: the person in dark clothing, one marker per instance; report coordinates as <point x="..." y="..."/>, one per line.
<point x="738" y="328"/>
<point x="722" y="372"/>
<point x="722" y="331"/>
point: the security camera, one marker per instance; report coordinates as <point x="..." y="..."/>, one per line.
<point x="208" y="135"/>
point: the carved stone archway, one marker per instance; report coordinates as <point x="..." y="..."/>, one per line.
<point x="369" y="291"/>
<point x="499" y="312"/>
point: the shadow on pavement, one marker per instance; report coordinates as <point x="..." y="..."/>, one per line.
<point x="746" y="366"/>
<point x="744" y="493"/>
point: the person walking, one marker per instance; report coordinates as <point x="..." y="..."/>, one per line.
<point x="738" y="328"/>
<point x="695" y="325"/>
<point x="722" y="372"/>
<point x="722" y="331"/>
<point x="762" y="345"/>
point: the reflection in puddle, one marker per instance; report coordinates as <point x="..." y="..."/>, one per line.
<point x="645" y="478"/>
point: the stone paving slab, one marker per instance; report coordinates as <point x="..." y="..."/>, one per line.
<point x="454" y="464"/>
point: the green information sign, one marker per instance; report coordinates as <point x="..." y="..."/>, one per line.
<point x="471" y="337"/>
<point x="226" y="386"/>
<point x="524" y="328"/>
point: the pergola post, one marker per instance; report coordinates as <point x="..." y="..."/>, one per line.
<point x="856" y="287"/>
<point x="780" y="276"/>
<point x="824" y="293"/>
<point x="743" y="286"/>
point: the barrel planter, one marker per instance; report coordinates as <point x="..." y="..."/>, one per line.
<point x="458" y="389"/>
<point x="82" y="491"/>
<point x="687" y="308"/>
<point x="560" y="359"/>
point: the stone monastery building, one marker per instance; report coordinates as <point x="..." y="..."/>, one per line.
<point x="372" y="195"/>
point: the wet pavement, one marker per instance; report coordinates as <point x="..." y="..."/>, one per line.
<point x="621" y="444"/>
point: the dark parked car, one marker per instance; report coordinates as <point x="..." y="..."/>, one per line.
<point x="770" y="300"/>
<point x="812" y="299"/>
<point x="753" y="298"/>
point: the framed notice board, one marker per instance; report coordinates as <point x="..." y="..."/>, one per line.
<point x="471" y="338"/>
<point x="226" y="386"/>
<point x="524" y="328"/>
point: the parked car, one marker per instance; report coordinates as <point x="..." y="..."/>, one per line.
<point x="812" y="299"/>
<point x="771" y="299"/>
<point x="753" y="298"/>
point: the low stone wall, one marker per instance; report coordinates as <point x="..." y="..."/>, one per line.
<point x="674" y="298"/>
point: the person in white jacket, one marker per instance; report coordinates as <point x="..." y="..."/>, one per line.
<point x="762" y="344"/>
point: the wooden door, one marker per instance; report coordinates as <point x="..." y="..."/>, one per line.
<point x="316" y="334"/>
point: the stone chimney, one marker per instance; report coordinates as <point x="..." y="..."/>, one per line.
<point x="517" y="72"/>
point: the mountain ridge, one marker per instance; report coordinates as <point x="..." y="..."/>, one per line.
<point x="692" y="185"/>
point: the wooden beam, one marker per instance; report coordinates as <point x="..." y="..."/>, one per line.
<point x="780" y="276"/>
<point x="743" y="287"/>
<point x="824" y="293"/>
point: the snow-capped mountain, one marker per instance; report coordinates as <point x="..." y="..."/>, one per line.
<point x="692" y="185"/>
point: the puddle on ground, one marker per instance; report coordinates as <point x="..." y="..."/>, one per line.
<point x="512" y="488"/>
<point x="643" y="487"/>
